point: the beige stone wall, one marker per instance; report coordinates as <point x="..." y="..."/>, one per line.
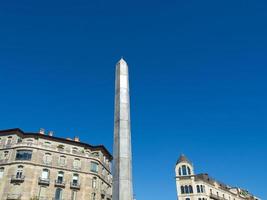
<point x="32" y="170"/>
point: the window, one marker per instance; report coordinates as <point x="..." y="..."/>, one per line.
<point x="94" y="180"/>
<point x="190" y="189"/>
<point x="62" y="160"/>
<point x="47" y="143"/>
<point x="182" y="189"/>
<point x="184" y="170"/>
<point x="77" y="163"/>
<point x="75" y="179"/>
<point x="19" y="173"/>
<point x="202" y="188"/>
<point x="47" y="158"/>
<point x="74" y="150"/>
<point x="186" y="189"/>
<point x="24" y="155"/>
<point x="198" y="189"/>
<point x="5" y="155"/>
<point x="180" y="171"/>
<point x="19" y="140"/>
<point x="2" y="169"/>
<point x="9" y="140"/>
<point x="58" y="194"/>
<point x="45" y="174"/>
<point x="103" y="171"/>
<point x="73" y="195"/>
<point x="60" y="177"/>
<point x="187" y="199"/>
<point x="93" y="196"/>
<point x="94" y="167"/>
<point x="189" y="171"/>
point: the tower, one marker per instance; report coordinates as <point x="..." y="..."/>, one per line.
<point x="122" y="153"/>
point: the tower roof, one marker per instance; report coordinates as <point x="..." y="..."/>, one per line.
<point x="183" y="158"/>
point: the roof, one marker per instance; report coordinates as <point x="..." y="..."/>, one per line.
<point x="183" y="158"/>
<point x="23" y="134"/>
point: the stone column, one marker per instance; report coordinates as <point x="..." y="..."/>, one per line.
<point x="122" y="153"/>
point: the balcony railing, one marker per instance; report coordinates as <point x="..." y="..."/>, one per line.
<point x="74" y="185"/>
<point x="216" y="197"/>
<point x="17" y="178"/>
<point x="3" y="161"/>
<point x="13" y="196"/>
<point x="44" y="181"/>
<point x="59" y="183"/>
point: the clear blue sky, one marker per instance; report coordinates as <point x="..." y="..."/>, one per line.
<point x="198" y="82"/>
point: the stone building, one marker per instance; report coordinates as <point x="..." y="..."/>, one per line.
<point x="191" y="186"/>
<point x="41" y="166"/>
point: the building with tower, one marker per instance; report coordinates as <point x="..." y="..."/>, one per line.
<point x="191" y="186"/>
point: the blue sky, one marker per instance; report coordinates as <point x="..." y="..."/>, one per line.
<point x="197" y="74"/>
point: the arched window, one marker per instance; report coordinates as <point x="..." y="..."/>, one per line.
<point x="180" y="171"/>
<point x="190" y="189"/>
<point x="2" y="169"/>
<point x="94" y="181"/>
<point x="189" y="170"/>
<point x="184" y="170"/>
<point x="58" y="194"/>
<point x="182" y="189"/>
<point x="45" y="174"/>
<point x="202" y="188"/>
<point x="186" y="189"/>
<point x="198" y="189"/>
<point x="187" y="199"/>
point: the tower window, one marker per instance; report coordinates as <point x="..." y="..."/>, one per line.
<point x="184" y="170"/>
<point x="182" y="189"/>
<point x="190" y="189"/>
<point x="189" y="171"/>
<point x="198" y="189"/>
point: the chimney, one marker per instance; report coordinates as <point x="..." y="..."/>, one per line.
<point x="41" y="131"/>
<point x="51" y="133"/>
<point x="76" y="139"/>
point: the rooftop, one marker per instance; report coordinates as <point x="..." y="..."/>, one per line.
<point x="23" y="134"/>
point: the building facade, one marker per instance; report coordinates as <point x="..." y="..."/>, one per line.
<point x="191" y="186"/>
<point x="41" y="166"/>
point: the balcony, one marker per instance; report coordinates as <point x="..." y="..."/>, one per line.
<point x="43" y="181"/>
<point x="216" y="197"/>
<point x="59" y="183"/>
<point x="13" y="196"/>
<point x="3" y="161"/>
<point x="74" y="185"/>
<point x="18" y="179"/>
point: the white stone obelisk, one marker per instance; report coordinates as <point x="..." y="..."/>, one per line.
<point x="122" y="152"/>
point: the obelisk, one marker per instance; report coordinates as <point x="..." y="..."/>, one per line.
<point x="122" y="152"/>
